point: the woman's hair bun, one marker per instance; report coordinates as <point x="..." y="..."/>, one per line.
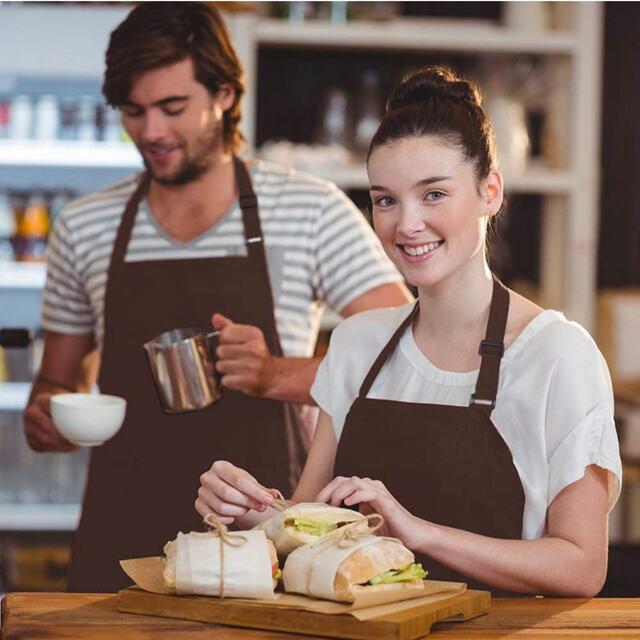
<point x="433" y="82"/>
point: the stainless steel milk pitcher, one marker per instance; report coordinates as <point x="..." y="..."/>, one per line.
<point x="182" y="362"/>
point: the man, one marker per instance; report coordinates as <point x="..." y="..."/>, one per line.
<point x="168" y="249"/>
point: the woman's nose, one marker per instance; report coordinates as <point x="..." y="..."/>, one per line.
<point x="410" y="221"/>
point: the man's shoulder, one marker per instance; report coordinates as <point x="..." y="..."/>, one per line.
<point x="371" y="329"/>
<point x="271" y="179"/>
<point x="109" y="201"/>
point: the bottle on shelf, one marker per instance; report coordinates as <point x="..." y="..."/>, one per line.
<point x="86" y="130"/>
<point x="369" y="111"/>
<point x="68" y="119"/>
<point x="334" y="127"/>
<point x="33" y="227"/>
<point x="7" y="228"/>
<point x="4" y="118"/>
<point x="20" y="117"/>
<point x="47" y="118"/>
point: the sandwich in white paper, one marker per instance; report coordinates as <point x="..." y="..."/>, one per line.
<point x="305" y="523"/>
<point x="220" y="563"/>
<point x="340" y="566"/>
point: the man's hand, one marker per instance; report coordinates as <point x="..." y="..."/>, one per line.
<point x="41" y="433"/>
<point x="243" y="358"/>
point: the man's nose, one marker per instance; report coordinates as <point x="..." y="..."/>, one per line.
<point x="154" y="127"/>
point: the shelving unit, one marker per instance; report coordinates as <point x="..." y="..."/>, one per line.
<point x="570" y="194"/>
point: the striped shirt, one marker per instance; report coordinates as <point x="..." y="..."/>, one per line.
<point x="320" y="251"/>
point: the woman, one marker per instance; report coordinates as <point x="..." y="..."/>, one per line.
<point x="479" y="425"/>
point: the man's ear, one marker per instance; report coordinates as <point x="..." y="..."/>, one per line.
<point x="492" y="192"/>
<point x="225" y="96"/>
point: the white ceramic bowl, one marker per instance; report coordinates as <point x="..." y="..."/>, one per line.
<point x="87" y="419"/>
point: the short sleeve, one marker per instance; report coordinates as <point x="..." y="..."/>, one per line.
<point x="349" y="259"/>
<point x="580" y="429"/>
<point x="66" y="305"/>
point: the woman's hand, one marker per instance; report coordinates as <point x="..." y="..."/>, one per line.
<point x="230" y="492"/>
<point x="374" y="497"/>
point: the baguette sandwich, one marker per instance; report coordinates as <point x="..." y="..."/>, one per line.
<point x="249" y="569"/>
<point x="305" y="523"/>
<point x="329" y="570"/>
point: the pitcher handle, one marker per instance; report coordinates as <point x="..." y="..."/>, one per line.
<point x="213" y="341"/>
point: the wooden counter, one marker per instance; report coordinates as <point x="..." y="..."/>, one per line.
<point x="94" y="616"/>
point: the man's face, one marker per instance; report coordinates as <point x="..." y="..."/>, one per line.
<point x="175" y="122"/>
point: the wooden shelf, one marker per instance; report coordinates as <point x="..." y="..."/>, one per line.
<point x="39" y="517"/>
<point x="536" y="181"/>
<point x="470" y="36"/>
<point x="58" y="153"/>
<point x="22" y="275"/>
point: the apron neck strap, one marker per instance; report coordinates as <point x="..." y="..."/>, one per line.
<point x="386" y="352"/>
<point x="249" y="207"/>
<point x="492" y="349"/>
<point x="128" y="219"/>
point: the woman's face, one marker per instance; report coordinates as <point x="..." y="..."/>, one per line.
<point x="429" y="211"/>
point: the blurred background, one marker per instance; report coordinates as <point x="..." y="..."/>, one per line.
<point x="560" y="85"/>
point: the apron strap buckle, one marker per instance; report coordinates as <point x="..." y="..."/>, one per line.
<point x="491" y="349"/>
<point x="248" y="201"/>
<point x="482" y="401"/>
<point x="254" y="240"/>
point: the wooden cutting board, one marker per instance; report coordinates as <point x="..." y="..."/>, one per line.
<point x="414" y="622"/>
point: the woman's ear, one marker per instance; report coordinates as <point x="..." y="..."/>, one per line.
<point x="492" y="192"/>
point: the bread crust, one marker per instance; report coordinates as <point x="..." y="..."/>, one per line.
<point x="368" y="562"/>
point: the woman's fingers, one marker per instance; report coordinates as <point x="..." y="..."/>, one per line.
<point x="339" y="489"/>
<point x="325" y="494"/>
<point x="219" y="506"/>
<point x="243" y="481"/>
<point x="224" y="492"/>
<point x="204" y="511"/>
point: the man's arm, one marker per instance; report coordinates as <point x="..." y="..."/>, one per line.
<point x="69" y="364"/>
<point x="246" y="364"/>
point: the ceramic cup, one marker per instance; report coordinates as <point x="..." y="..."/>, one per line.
<point x="87" y="419"/>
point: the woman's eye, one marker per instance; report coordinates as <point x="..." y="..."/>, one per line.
<point x="383" y="201"/>
<point x="434" y="195"/>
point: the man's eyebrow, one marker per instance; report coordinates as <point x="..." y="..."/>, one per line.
<point x="159" y="103"/>
<point x="421" y="183"/>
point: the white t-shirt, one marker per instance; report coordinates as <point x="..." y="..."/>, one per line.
<point x="554" y="407"/>
<point x="320" y="251"/>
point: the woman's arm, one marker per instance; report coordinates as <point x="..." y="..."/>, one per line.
<point x="570" y="561"/>
<point x="232" y="494"/>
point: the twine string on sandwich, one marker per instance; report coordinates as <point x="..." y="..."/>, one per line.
<point x="222" y="532"/>
<point x="346" y="536"/>
<point x="279" y="504"/>
<point x="354" y="531"/>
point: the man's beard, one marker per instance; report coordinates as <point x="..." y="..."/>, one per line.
<point x="195" y="163"/>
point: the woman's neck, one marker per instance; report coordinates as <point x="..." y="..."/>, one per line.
<point x="453" y="317"/>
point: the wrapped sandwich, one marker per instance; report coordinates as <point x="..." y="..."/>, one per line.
<point x="305" y="523"/>
<point x="332" y="570"/>
<point x="218" y="563"/>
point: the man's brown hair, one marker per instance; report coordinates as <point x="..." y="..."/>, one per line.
<point x="157" y="34"/>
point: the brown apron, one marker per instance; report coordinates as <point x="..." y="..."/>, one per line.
<point x="445" y="464"/>
<point x="142" y="484"/>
